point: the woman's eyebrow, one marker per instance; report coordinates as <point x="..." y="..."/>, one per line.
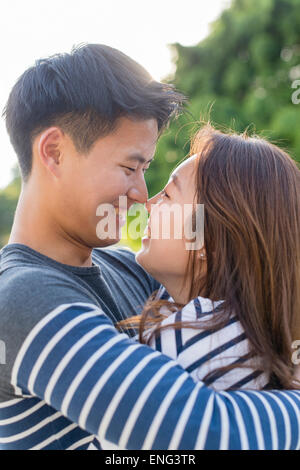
<point x="175" y="180"/>
<point x="139" y="158"/>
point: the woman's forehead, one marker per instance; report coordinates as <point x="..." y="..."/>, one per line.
<point x="185" y="167"/>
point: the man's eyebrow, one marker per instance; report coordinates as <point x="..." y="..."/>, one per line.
<point x="137" y="157"/>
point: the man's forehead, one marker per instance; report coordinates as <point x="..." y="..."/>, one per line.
<point x="136" y="127"/>
<point x="135" y="138"/>
<point x="137" y="157"/>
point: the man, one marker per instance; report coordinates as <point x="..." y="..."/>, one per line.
<point x="84" y="126"/>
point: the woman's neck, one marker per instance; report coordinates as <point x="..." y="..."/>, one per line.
<point x="176" y="288"/>
<point x="179" y="288"/>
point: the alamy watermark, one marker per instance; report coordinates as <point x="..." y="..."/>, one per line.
<point x="296" y="353"/>
<point x="2" y="352"/>
<point x="296" y="94"/>
<point x="166" y="222"/>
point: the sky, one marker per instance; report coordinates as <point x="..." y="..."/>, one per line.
<point x="142" y="29"/>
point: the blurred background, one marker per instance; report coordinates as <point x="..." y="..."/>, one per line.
<point x="238" y="62"/>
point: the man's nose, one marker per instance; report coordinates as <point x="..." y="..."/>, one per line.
<point x="138" y="192"/>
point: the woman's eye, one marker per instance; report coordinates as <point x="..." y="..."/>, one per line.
<point x="165" y="194"/>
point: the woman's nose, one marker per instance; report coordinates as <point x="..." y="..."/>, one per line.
<point x="152" y="201"/>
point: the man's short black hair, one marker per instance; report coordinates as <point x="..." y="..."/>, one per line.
<point x="84" y="92"/>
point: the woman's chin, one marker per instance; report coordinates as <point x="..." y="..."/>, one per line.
<point x="142" y="257"/>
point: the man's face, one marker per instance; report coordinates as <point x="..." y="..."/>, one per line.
<point x="114" y="167"/>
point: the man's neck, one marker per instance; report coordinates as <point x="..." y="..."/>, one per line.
<point x="33" y="227"/>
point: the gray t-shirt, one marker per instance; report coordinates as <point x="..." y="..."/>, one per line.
<point x="32" y="284"/>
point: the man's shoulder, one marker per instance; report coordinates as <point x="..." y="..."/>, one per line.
<point x="121" y="261"/>
<point x="119" y="257"/>
<point x="21" y="277"/>
<point x="29" y="292"/>
<point x="121" y="253"/>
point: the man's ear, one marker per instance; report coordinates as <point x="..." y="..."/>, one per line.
<point x="50" y="149"/>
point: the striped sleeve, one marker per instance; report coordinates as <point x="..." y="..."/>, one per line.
<point x="202" y="351"/>
<point x="137" y="398"/>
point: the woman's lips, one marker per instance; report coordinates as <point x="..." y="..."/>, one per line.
<point x="147" y="232"/>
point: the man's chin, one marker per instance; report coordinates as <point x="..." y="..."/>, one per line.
<point x="106" y="242"/>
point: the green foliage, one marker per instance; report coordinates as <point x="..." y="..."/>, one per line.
<point x="239" y="76"/>
<point x="244" y="70"/>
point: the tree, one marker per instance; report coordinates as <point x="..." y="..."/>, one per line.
<point x="241" y="76"/>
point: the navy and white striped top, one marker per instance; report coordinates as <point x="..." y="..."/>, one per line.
<point x="76" y="376"/>
<point x="70" y="376"/>
<point x="201" y="352"/>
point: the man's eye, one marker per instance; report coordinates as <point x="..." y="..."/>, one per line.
<point x="134" y="169"/>
<point x="165" y="194"/>
<point x="130" y="169"/>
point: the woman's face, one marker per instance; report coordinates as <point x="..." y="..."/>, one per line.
<point x="164" y="251"/>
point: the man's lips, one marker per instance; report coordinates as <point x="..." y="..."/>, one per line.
<point x="121" y="211"/>
<point x="121" y="214"/>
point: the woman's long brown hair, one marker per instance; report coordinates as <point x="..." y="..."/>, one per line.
<point x="250" y="189"/>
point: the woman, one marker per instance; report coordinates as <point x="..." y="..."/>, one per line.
<point x="233" y="305"/>
<point x="235" y="302"/>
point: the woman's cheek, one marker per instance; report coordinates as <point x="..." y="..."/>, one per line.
<point x="160" y="223"/>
